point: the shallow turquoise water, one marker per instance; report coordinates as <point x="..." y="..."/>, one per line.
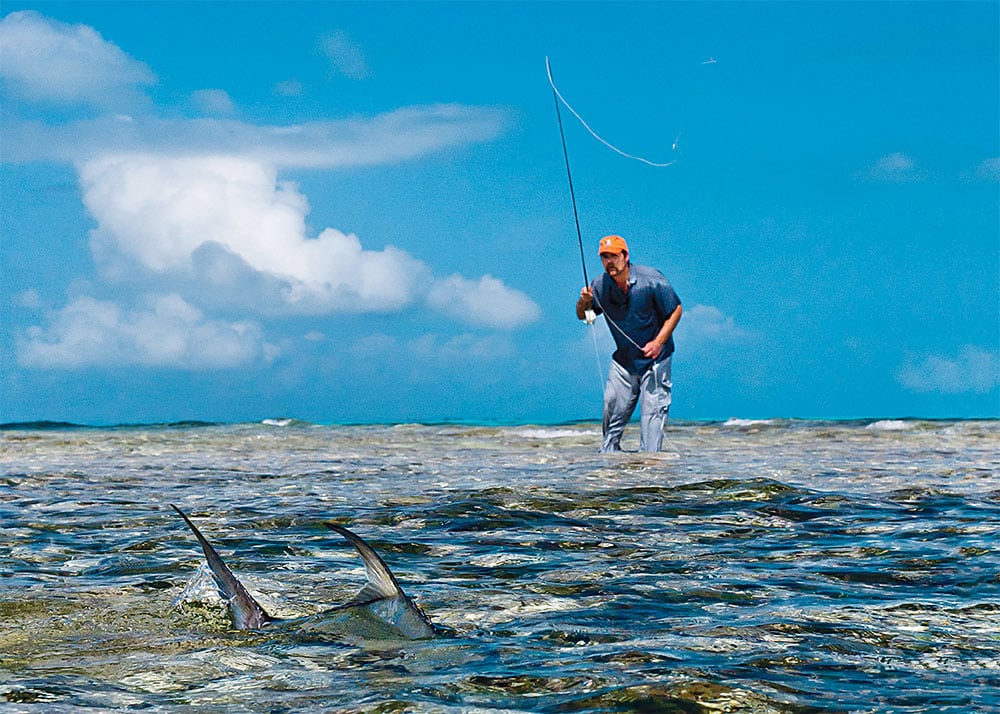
<point x="778" y="566"/>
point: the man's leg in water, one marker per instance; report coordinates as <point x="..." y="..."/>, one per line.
<point x="621" y="392"/>
<point x="655" y="405"/>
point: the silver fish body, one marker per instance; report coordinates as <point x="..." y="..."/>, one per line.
<point x="381" y="598"/>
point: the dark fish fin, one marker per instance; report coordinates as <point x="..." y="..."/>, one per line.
<point x="247" y="614"/>
<point x="381" y="582"/>
<point x="408" y="619"/>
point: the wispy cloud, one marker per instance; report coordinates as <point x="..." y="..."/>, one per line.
<point x="895" y="168"/>
<point x="213" y="102"/>
<point x="49" y="61"/>
<point x="289" y="88"/>
<point x="430" y="352"/>
<point x="29" y="299"/>
<point x="346" y="56"/>
<point x="704" y="323"/>
<point x="168" y="332"/>
<point x="989" y="170"/>
<point x="903" y="169"/>
<point x="399" y="135"/>
<point x="972" y="370"/>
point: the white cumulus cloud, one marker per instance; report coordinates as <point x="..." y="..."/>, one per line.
<point x="486" y="301"/>
<point x="972" y="370"/>
<point x="168" y="332"/>
<point x="705" y="323"/>
<point x="176" y="215"/>
<point x="226" y="225"/>
<point x="47" y="60"/>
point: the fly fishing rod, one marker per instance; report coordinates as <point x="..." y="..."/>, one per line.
<point x="590" y="315"/>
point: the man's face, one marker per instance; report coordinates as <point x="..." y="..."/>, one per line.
<point x="614" y="263"/>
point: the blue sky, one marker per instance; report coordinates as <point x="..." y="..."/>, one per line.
<point x="346" y="212"/>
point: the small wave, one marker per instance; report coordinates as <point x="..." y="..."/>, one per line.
<point x="890" y="425"/>
<point x="742" y="423"/>
<point x="541" y="433"/>
<point x="200" y="588"/>
<point x="281" y="422"/>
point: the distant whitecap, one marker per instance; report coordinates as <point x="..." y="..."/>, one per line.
<point x="278" y="422"/>
<point x="734" y="422"/>
<point x="890" y="425"/>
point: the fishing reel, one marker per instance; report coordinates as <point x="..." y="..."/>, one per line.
<point x="589" y="317"/>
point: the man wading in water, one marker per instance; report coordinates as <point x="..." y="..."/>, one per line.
<point x="642" y="310"/>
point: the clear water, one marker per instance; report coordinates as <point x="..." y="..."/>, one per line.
<point x="760" y="566"/>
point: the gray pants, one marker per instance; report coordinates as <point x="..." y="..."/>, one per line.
<point x="621" y="393"/>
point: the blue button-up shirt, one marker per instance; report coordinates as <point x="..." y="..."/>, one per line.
<point x="639" y="313"/>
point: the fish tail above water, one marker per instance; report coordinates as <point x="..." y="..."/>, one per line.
<point x="246" y="613"/>
<point x="383" y="593"/>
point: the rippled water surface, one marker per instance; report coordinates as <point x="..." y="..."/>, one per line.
<point x="759" y="566"/>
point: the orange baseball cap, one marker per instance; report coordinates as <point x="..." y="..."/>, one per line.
<point x="612" y="244"/>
